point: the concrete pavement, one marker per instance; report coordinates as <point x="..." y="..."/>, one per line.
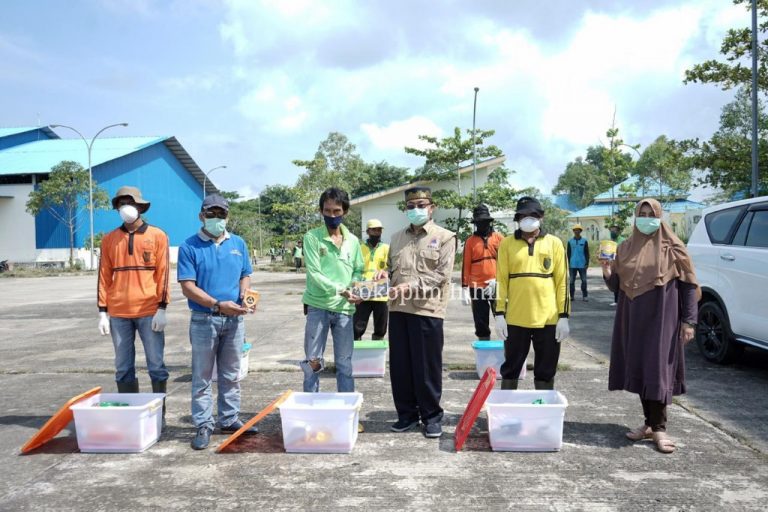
<point x="50" y="350"/>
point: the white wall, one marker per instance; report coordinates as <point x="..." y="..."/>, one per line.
<point x="385" y="208"/>
<point x="17" y="227"/>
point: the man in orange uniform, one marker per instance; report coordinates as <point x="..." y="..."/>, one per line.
<point x="478" y="274"/>
<point x="133" y="292"/>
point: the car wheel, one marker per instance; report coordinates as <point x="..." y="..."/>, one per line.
<point x="713" y="335"/>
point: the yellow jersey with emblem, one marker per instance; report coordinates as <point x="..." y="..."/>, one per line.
<point x="532" y="281"/>
<point x="374" y="260"/>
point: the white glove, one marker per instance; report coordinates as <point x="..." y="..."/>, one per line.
<point x="103" y="323"/>
<point x="489" y="292"/>
<point x="501" y="327"/>
<point x="562" y="330"/>
<point x="466" y="299"/>
<point x="159" y="321"/>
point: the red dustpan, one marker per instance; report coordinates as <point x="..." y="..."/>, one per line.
<point x="473" y="408"/>
<point x="57" y="423"/>
<point x="251" y="422"/>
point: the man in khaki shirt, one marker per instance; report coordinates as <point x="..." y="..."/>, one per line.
<point x="421" y="261"/>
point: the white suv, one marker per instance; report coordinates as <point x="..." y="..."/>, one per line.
<point x="729" y="247"/>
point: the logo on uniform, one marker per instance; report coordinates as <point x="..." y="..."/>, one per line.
<point x="382" y="265"/>
<point x="434" y="244"/>
<point x="235" y="252"/>
<point x="147" y="256"/>
<point x="547" y="263"/>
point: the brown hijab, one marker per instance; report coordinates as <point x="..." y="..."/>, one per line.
<point x="644" y="262"/>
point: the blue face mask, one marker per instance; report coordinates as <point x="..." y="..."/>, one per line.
<point x="333" y="222"/>
<point x="647" y="225"/>
<point x="215" y="226"/>
<point x="418" y="216"/>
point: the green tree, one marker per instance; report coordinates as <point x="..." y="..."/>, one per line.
<point x="726" y="157"/>
<point x="737" y="49"/>
<point x="665" y="163"/>
<point x="582" y="181"/>
<point x="615" y="161"/>
<point x="374" y="177"/>
<point x="64" y="194"/>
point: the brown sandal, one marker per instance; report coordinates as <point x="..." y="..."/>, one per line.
<point x="640" y="433"/>
<point x="663" y="443"/>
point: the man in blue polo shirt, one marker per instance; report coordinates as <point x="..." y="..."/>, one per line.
<point x="214" y="272"/>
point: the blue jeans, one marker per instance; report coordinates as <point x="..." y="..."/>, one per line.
<point x="572" y="281"/>
<point x="220" y="339"/>
<point x="319" y="321"/>
<point x="123" y="337"/>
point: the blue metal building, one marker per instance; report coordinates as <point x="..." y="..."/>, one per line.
<point x="159" y="166"/>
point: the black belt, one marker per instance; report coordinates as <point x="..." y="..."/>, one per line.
<point x="529" y="274"/>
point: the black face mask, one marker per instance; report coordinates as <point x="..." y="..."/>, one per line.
<point x="483" y="228"/>
<point x="614" y="235"/>
<point x="374" y="240"/>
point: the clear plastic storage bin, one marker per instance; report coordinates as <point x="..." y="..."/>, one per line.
<point x="490" y="354"/>
<point x="115" y="429"/>
<point x="320" y="422"/>
<point x="369" y="358"/>
<point x="517" y="424"/>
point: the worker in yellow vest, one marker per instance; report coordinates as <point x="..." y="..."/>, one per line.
<point x="375" y="254"/>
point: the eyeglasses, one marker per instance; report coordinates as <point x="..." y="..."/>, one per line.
<point x="411" y="206"/>
<point x="210" y="214"/>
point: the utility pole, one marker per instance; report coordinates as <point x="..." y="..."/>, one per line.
<point x="474" y="150"/>
<point x="754" y="191"/>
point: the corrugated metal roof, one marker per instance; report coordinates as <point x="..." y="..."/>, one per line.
<point x="651" y="189"/>
<point x="8" y="131"/>
<point x="604" y="209"/>
<point x="38" y="157"/>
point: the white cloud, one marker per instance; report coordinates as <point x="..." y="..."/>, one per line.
<point x="399" y="134"/>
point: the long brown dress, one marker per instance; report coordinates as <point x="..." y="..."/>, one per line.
<point x="647" y="355"/>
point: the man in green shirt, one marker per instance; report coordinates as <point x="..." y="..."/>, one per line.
<point x="333" y="260"/>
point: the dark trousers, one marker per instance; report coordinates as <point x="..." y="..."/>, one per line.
<point x="416" y="366"/>
<point x="363" y="311"/>
<point x="545" y="347"/>
<point x="583" y="276"/>
<point x="655" y="414"/>
<point x="481" y="309"/>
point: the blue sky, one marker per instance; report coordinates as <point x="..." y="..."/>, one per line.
<point x="256" y="84"/>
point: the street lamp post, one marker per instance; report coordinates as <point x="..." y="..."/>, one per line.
<point x="205" y="177"/>
<point x="90" y="171"/>
<point x="474" y="150"/>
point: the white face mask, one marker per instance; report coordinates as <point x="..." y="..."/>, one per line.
<point x="529" y="224"/>
<point x="128" y="213"/>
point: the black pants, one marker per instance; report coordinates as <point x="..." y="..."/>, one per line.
<point x="655" y="414"/>
<point x="416" y="366"/>
<point x="297" y="263"/>
<point x="363" y="311"/>
<point x="481" y="309"/>
<point x="545" y="347"/>
<point x="583" y="276"/>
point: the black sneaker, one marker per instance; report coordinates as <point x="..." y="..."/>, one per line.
<point x="202" y="439"/>
<point x="403" y="425"/>
<point x="237" y="425"/>
<point x="433" y="430"/>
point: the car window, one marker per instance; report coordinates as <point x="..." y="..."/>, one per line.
<point x="720" y="224"/>
<point x="740" y="238"/>
<point x="758" y="230"/>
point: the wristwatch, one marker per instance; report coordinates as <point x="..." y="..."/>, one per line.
<point x="216" y="307"/>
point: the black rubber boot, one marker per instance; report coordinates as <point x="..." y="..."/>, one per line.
<point x="544" y="384"/>
<point x="128" y="387"/>
<point x="160" y="386"/>
<point x="509" y="383"/>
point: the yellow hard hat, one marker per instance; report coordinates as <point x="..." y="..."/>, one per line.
<point x="373" y="224"/>
<point x="577" y="226"/>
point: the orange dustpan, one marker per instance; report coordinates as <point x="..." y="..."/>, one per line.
<point x="57" y="423"/>
<point x="473" y="408"/>
<point x="251" y="422"/>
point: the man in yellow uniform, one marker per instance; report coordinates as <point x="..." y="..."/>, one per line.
<point x="375" y="254"/>
<point x="532" y="304"/>
<point x="421" y="260"/>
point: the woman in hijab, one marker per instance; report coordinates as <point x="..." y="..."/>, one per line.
<point x="655" y="317"/>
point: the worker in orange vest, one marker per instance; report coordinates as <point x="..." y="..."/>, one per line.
<point x="478" y="273"/>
